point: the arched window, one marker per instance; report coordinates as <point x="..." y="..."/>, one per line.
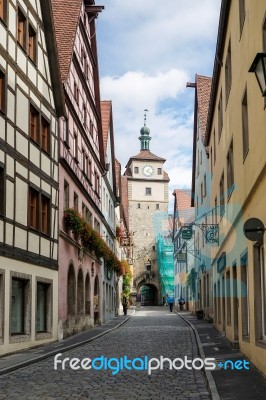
<point x="71" y="292"/>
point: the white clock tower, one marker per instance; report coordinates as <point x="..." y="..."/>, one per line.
<point x="147" y="192"/>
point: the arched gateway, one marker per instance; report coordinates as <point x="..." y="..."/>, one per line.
<point x="148" y="295"/>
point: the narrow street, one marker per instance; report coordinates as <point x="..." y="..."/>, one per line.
<point x="152" y="332"/>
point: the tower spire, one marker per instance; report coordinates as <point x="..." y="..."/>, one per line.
<point x="145" y="116"/>
<point x="144" y="134"/>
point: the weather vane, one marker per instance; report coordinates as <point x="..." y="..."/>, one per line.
<point x="145" y="116"/>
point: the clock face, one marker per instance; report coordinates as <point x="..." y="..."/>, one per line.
<point x="148" y="170"/>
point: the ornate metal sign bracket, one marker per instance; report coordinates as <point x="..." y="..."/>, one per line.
<point x="210" y="231"/>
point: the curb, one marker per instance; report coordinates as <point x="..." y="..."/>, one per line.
<point x="210" y="380"/>
<point x="61" y="350"/>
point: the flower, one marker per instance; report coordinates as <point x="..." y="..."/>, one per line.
<point x="92" y="240"/>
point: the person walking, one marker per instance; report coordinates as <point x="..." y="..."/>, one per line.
<point x="170" y="303"/>
<point x="125" y="305"/>
<point x="181" y="302"/>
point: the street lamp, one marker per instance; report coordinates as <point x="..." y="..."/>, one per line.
<point x="259" y="67"/>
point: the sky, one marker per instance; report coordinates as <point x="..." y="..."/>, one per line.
<point x="148" y="50"/>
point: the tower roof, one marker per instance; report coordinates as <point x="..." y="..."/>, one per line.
<point x="145" y="155"/>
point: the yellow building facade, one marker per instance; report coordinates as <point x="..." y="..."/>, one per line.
<point x="236" y="139"/>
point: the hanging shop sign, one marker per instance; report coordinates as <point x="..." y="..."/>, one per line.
<point x="187" y="233"/>
<point x="181" y="257"/>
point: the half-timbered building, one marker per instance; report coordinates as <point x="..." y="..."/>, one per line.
<point x="29" y="106"/>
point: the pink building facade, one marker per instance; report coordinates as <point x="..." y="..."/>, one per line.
<point x="81" y="164"/>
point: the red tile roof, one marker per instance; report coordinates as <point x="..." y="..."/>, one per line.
<point x="66" y="16"/>
<point x="146" y="155"/>
<point x="183" y="210"/>
<point x="106" y="108"/>
<point x="203" y="94"/>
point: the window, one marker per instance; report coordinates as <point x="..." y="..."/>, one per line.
<point x="39" y="124"/>
<point x="87" y="215"/>
<point x="45" y="217"/>
<point x="159" y="171"/>
<point x="201" y="192"/>
<point x="198" y="163"/>
<point x="65" y="131"/>
<point x="220" y="117"/>
<point x="242" y="14"/>
<point x="76" y="92"/>
<point x="214" y="147"/>
<point x="42" y="307"/>
<point x="260" y="291"/>
<point x="97" y="183"/>
<point x="148" y="191"/>
<point x="204" y="186"/>
<point x="45" y="137"/>
<point x="215" y="210"/>
<point x="230" y="170"/>
<point x="245" y="131"/>
<point x="136" y="170"/>
<point x="84" y="115"/>
<point x="138" y="206"/>
<point x="2" y="191"/>
<point x="244" y="295"/>
<point x="91" y="128"/>
<point x="32" y="43"/>
<point x="208" y="291"/>
<point x="66" y="195"/>
<point x="3" y="4"/>
<point x="76" y="202"/>
<point x="18" y="306"/>
<point x="89" y="169"/>
<point x="34" y="129"/>
<point x="228" y="298"/>
<point x="2" y="91"/>
<point x="86" y="68"/>
<point x="39" y="204"/>
<point x="157" y="206"/>
<point x="33" y="208"/>
<point x="228" y="73"/>
<point x="222" y="196"/>
<point x="82" y="54"/>
<point x="21" y="29"/>
<point x="76" y="149"/>
<point x="96" y="225"/>
<point x="211" y="162"/>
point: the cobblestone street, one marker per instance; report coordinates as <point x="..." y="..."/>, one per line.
<point x="152" y="332"/>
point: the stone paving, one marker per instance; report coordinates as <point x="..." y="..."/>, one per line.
<point x="152" y="331"/>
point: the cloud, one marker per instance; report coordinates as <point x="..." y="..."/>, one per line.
<point x="171" y="128"/>
<point x="150" y="35"/>
<point x="136" y="89"/>
<point x="148" y="50"/>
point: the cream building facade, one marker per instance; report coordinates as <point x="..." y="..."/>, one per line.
<point x="236" y="134"/>
<point x="28" y="175"/>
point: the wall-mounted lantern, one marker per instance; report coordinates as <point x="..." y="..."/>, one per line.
<point x="259" y="68"/>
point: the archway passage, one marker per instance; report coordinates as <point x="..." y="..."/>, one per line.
<point x="71" y="291"/>
<point x="149" y="295"/>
